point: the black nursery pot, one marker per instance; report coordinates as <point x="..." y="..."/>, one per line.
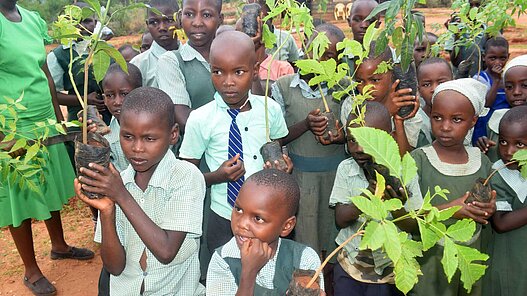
<point x="93" y="114"/>
<point x="250" y="13"/>
<point x="297" y="286"/>
<point x="407" y="79"/>
<point x="272" y="151"/>
<point x="479" y="192"/>
<point x="96" y="151"/>
<point x="331" y="127"/>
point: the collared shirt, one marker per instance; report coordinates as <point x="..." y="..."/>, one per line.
<point x="515" y="181"/>
<point x="147" y="63"/>
<point x="288" y="52"/>
<point x="207" y="132"/>
<point x="276" y="68"/>
<point x="116" y="154"/>
<point x="349" y="182"/>
<point x="173" y="200"/>
<point x="170" y="78"/>
<point x="221" y="282"/>
<point x="54" y="67"/>
<point x="307" y="91"/>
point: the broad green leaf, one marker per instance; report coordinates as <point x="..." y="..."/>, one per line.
<point x="432" y="215"/>
<point x="309" y="66"/>
<point x="9" y="137"/>
<point x="447" y="213"/>
<point x="319" y="45"/>
<point x="374" y="236"/>
<point x="407" y="268"/>
<point x="370" y="34"/>
<point x="60" y="128"/>
<point x="462" y="230"/>
<point x="101" y="62"/>
<point x="383" y="67"/>
<point x="114" y="54"/>
<point x="393" y="9"/>
<point x="381" y="146"/>
<point x="349" y="47"/>
<point x="32" y="151"/>
<point x="470" y="272"/>
<point x="379" y="8"/>
<point x="96" y="6"/>
<point x="449" y="260"/>
<point x="521" y="157"/>
<point x="367" y="206"/>
<point x="429" y="237"/>
<point x="441" y="192"/>
<point x="392" y="244"/>
<point x="381" y="184"/>
<point x="269" y="37"/>
<point x="20" y="143"/>
<point x="393" y="204"/>
<point x="473" y="12"/>
<point x="409" y="169"/>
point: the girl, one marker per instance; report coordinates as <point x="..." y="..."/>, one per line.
<point x="450" y="164"/>
<point x="515" y="77"/>
<point x="507" y="247"/>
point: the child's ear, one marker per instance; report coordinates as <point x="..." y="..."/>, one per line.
<point x="221" y="19"/>
<point x="289" y="225"/>
<point x="256" y="71"/>
<point x="474" y="120"/>
<point x="174" y="134"/>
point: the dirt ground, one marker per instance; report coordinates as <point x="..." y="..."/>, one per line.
<point x="80" y="278"/>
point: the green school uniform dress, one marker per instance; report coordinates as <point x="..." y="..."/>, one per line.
<point x="505" y="275"/>
<point x="20" y="72"/>
<point x="458" y="179"/>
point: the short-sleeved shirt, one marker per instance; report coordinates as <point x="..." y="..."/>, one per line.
<point x="147" y="63"/>
<point x="170" y="78"/>
<point x="56" y="70"/>
<point x="349" y="182"/>
<point x="207" y="132"/>
<point x="173" y="200"/>
<point x="276" y="68"/>
<point x="288" y="52"/>
<point x="221" y="281"/>
<point x="116" y="154"/>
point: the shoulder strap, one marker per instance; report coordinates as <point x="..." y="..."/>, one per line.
<point x="287" y="262"/>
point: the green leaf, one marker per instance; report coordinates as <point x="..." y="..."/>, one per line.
<point x="269" y="37"/>
<point x="429" y="237"/>
<point x="368" y="207"/>
<point x="379" y="8"/>
<point x="449" y="260"/>
<point x="462" y="230"/>
<point x="470" y="272"/>
<point x="392" y="244"/>
<point x="381" y="146"/>
<point x="370" y="34"/>
<point x="447" y="213"/>
<point x="373" y="237"/>
<point x="393" y="204"/>
<point x="380" y="186"/>
<point x="319" y="45"/>
<point x="60" y="128"/>
<point x="407" y="268"/>
<point x="96" y="6"/>
<point x="309" y="66"/>
<point x="20" y="143"/>
<point x="441" y="192"/>
<point x="32" y="151"/>
<point x="114" y="54"/>
<point x="350" y="47"/>
<point x="409" y="168"/>
<point x="101" y="62"/>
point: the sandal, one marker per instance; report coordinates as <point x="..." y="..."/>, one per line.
<point x="41" y="287"/>
<point x="74" y="253"/>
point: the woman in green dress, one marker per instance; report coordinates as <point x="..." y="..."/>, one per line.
<point x="23" y="70"/>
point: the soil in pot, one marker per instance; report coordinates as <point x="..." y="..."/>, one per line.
<point x="369" y="171"/>
<point x="95" y="117"/>
<point x="298" y="284"/>
<point x="331" y="127"/>
<point x="272" y="151"/>
<point x="479" y="192"/>
<point x="96" y="151"/>
<point x="407" y="79"/>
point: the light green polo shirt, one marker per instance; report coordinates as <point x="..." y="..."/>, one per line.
<point x="147" y="63"/>
<point x="116" y="154"/>
<point x="207" y="132"/>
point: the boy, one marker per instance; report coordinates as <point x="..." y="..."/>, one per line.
<point x="146" y="41"/>
<point x="233" y="108"/>
<point x="422" y="49"/>
<point x="151" y="217"/>
<point x="128" y="52"/>
<point x="495" y="57"/>
<point x="362" y="271"/>
<point x="256" y="261"/>
<point x="161" y="28"/>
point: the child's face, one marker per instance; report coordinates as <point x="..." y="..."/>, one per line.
<point x="145" y="139"/>
<point x="200" y="20"/>
<point x="422" y="50"/>
<point x="356" y="151"/>
<point x="115" y="87"/>
<point x="88" y="26"/>
<point x="258" y="214"/>
<point x="232" y="73"/>
<point x="129" y="53"/>
<point x="331" y="52"/>
<point x="161" y="27"/>
<point x="516" y="86"/>
<point x="146" y="42"/>
<point x="496" y="56"/>
<point x="429" y="77"/>
<point x="513" y="137"/>
<point x="356" y="20"/>
<point x="452" y="116"/>
<point x="381" y="82"/>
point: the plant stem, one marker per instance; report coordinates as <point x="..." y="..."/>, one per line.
<point x="319" y="270"/>
<point x="85" y="109"/>
<point x="496" y="170"/>
<point x="323" y="99"/>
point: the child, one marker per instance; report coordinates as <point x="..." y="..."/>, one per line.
<point x="355" y="270"/>
<point x="514" y="76"/>
<point x="146" y="41"/>
<point x="234" y="107"/>
<point x="256" y="261"/>
<point x="315" y="164"/>
<point x="495" y="57"/>
<point x="185" y="74"/>
<point x="450" y="164"/>
<point x="422" y="49"/>
<point x="150" y="215"/>
<point x="360" y="10"/>
<point x="128" y="52"/>
<point x="507" y="247"/>
<point x="430" y="73"/>
<point x="406" y="130"/>
<point x="161" y="28"/>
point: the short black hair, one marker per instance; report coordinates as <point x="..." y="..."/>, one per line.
<point x="133" y="77"/>
<point x="282" y="183"/>
<point x="150" y="100"/>
<point x="516" y="115"/>
<point x="434" y="60"/>
<point x="384" y="56"/>
<point x="125" y="47"/>
<point x="331" y="30"/>
<point x="497" y="41"/>
<point x="217" y="3"/>
<point x="376" y="115"/>
<point x="164" y="3"/>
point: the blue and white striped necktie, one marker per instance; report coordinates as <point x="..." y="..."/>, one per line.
<point x="235" y="147"/>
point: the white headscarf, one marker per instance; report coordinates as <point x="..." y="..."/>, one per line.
<point x="517" y="61"/>
<point x="474" y="90"/>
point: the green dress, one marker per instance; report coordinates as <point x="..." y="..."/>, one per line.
<point x="22" y="54"/>
<point x="505" y="275"/>
<point x="458" y="179"/>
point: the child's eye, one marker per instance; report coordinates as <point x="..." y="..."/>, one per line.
<point x="502" y="142"/>
<point x="124" y="94"/>
<point x="457" y="119"/>
<point x="258" y="219"/>
<point x="216" y="72"/>
<point x="520" y="145"/>
<point x="109" y="96"/>
<point x="436" y="118"/>
<point x="375" y="80"/>
<point x="427" y="84"/>
<point x="524" y="85"/>
<point x="127" y="137"/>
<point x="207" y="15"/>
<point x="187" y="13"/>
<point x="240" y="72"/>
<point x="508" y="86"/>
<point x="237" y="209"/>
<point x="150" y="139"/>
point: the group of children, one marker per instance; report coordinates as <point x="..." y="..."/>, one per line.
<point x="206" y="92"/>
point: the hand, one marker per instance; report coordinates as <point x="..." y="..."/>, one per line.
<point x="471" y="211"/>
<point x="92" y="127"/>
<point x="316" y="123"/>
<point x="338" y="138"/>
<point x="390" y="193"/>
<point x="276" y="165"/>
<point x="488" y="207"/>
<point x="484" y="144"/>
<point x="104" y="181"/>
<point x="254" y="255"/>
<point x="231" y="169"/>
<point x="94" y="99"/>
<point x="496" y="72"/>
<point x="102" y="204"/>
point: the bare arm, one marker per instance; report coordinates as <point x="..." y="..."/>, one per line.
<point x="313" y="122"/>
<point x="345" y="214"/>
<point x="507" y="221"/>
<point x="182" y="113"/>
<point x="53" y="92"/>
